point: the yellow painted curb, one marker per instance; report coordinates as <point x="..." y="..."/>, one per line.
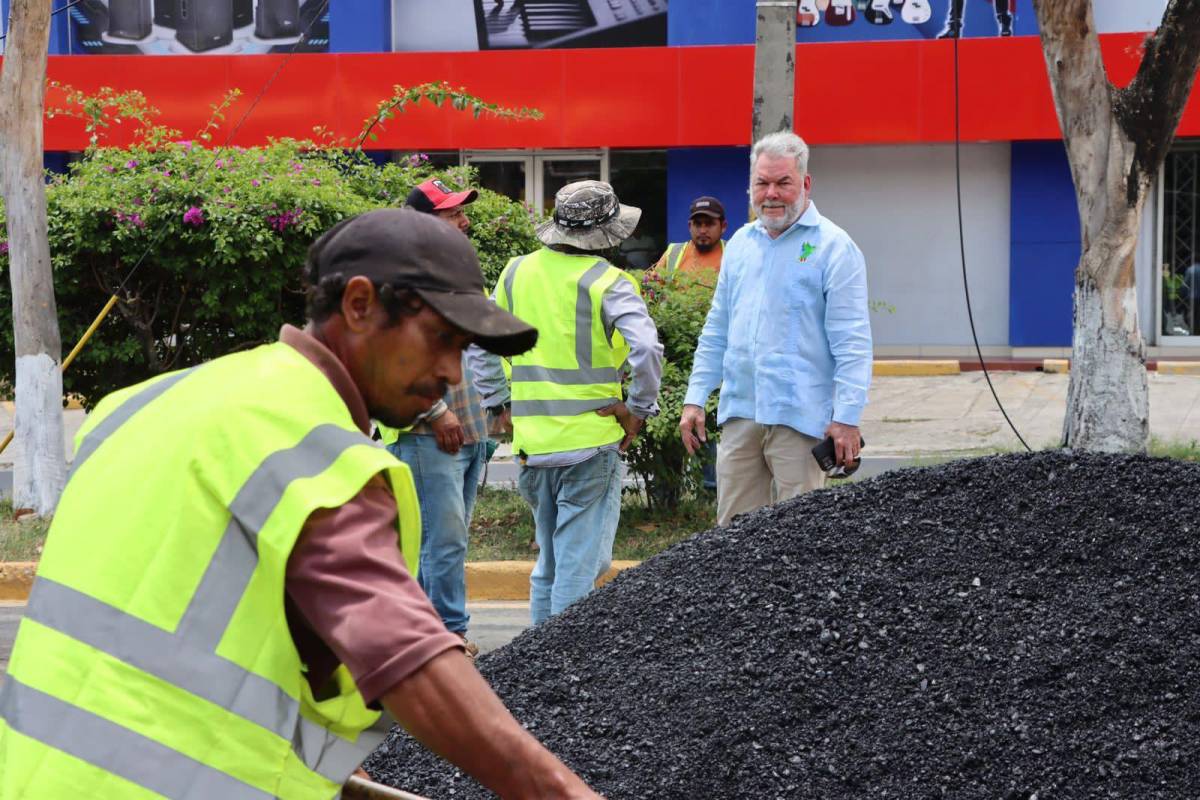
<point x="16" y="578"/>
<point x="1179" y="368"/>
<point x="509" y="580"/>
<point x="486" y="580"/>
<point x="915" y="368"/>
<point x="1056" y="365"/>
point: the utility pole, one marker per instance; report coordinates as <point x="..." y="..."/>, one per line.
<point x="774" y="67"/>
<point x="40" y="470"/>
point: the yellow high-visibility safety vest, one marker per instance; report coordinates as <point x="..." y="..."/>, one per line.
<point x="154" y="658"/>
<point x="575" y="367"/>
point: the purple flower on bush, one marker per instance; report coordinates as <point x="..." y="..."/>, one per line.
<point x="281" y="222"/>
<point x="316" y="181"/>
<point x="219" y="163"/>
<point x="194" y="216"/>
<point x="130" y="164"/>
<point x="186" y="144"/>
<point x="134" y="219"/>
<point x="109" y="168"/>
<point x="4" y="248"/>
<point x="297" y="166"/>
<point x="254" y="182"/>
<point x="137" y="201"/>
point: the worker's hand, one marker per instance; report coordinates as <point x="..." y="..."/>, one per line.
<point x="449" y="432"/>
<point x="691" y="428"/>
<point x="845" y="442"/>
<point x="631" y="422"/>
<point x="506" y="420"/>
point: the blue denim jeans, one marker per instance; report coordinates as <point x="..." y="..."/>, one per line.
<point x="575" y="515"/>
<point x="446" y="489"/>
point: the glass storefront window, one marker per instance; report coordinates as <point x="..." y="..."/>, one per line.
<point x="1181" y="243"/>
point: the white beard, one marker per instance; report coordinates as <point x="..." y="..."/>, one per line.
<point x="776" y="224"/>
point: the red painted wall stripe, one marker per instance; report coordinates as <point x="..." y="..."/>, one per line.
<point x="846" y="93"/>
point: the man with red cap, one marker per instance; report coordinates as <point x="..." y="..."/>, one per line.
<point x="446" y="450"/>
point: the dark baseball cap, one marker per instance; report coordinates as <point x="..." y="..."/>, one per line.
<point x="707" y="206"/>
<point x="434" y="195"/>
<point x="408" y="249"/>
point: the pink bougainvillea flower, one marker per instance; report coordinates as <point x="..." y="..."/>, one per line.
<point x="254" y="182"/>
<point x="194" y="217"/>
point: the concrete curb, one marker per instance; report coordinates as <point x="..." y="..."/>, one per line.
<point x="486" y="580"/>
<point x="916" y="367"/>
<point x="1179" y="367"/>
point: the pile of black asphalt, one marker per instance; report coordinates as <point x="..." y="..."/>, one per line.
<point x="1010" y="628"/>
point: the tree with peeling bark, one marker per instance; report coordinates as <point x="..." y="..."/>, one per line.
<point x="1116" y="140"/>
<point x="40" y="471"/>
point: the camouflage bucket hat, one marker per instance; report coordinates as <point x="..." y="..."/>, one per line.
<point x="588" y="215"/>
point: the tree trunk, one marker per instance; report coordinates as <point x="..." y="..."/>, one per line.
<point x="774" y="67"/>
<point x="40" y="472"/>
<point x="1116" y="139"/>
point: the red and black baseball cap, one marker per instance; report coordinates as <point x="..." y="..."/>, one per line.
<point x="434" y="195"/>
<point x="404" y="248"/>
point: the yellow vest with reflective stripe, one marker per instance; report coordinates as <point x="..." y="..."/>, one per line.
<point x="575" y="367"/>
<point x="154" y="658"/>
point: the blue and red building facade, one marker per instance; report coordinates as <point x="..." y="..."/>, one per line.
<point x="662" y="109"/>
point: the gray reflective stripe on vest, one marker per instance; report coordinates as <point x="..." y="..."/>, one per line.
<point x="121" y="415"/>
<point x="331" y="756"/>
<point x="95" y="740"/>
<point x="673" y="256"/>
<point x="508" y="283"/>
<point x="565" y="377"/>
<point x="559" y="408"/>
<point x="583" y="313"/>
<point x="186" y="658"/>
<point x="232" y="565"/>
<point x="164" y="655"/>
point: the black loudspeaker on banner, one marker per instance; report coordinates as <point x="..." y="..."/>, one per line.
<point x="170" y="27"/>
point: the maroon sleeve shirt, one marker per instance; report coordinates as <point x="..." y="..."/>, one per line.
<point x="350" y="598"/>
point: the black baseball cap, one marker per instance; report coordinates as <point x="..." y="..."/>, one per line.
<point x="406" y="248"/>
<point x="434" y="195"/>
<point x="708" y="207"/>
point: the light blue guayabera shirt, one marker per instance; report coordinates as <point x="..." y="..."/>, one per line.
<point x="788" y="339"/>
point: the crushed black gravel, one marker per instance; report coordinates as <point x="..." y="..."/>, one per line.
<point x="1012" y="627"/>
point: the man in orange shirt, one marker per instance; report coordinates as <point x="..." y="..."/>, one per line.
<point x="706" y="224"/>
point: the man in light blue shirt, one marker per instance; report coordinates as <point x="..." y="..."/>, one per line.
<point x="787" y="340"/>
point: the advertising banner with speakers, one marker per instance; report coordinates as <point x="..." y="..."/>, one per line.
<point x="468" y="25"/>
<point x="183" y="27"/>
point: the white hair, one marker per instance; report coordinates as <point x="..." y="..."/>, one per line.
<point x="783" y="144"/>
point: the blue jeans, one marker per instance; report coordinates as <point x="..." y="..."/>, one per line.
<point x="446" y="489"/>
<point x="575" y="515"/>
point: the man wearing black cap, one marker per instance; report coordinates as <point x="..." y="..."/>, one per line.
<point x="706" y="226"/>
<point x="446" y="450"/>
<point x="228" y="623"/>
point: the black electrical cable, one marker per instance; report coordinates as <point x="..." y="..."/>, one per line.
<point x="52" y="13"/>
<point x="261" y="93"/>
<point x="962" y="248"/>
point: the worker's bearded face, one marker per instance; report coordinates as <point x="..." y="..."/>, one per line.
<point x="412" y="363"/>
<point x="778" y="192"/>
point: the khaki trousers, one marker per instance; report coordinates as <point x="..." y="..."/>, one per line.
<point x="762" y="464"/>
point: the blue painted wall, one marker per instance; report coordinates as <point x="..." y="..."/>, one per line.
<point x="1045" y="246"/>
<point x="364" y="26"/>
<point x="59" y="27"/>
<point x="722" y="172"/>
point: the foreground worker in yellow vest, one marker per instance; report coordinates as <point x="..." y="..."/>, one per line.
<point x="221" y="606"/>
<point x="568" y="419"/>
